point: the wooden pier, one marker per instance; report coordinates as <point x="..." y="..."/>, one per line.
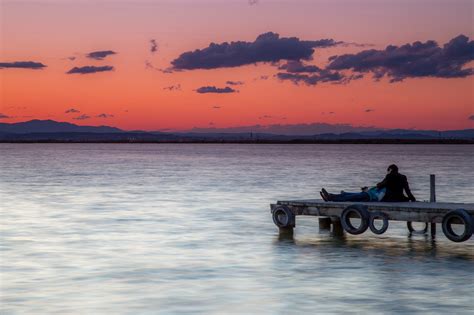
<point x="341" y="215"/>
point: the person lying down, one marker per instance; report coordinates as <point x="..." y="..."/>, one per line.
<point x="366" y="194"/>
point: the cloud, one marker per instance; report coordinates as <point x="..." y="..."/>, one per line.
<point x="104" y="116"/>
<point x="268" y="47"/>
<point x="213" y="89"/>
<point x="216" y="107"/>
<point x="149" y="65"/>
<point x="471" y="117"/>
<point x="72" y="111"/>
<point x="22" y="65"/>
<point x="3" y="116"/>
<point x="89" y="69"/>
<point x="263" y="117"/>
<point x="153" y="46"/>
<point x="176" y="87"/>
<point x="416" y="60"/>
<point x="82" y="117"/>
<point x="253" y="2"/>
<point x="72" y="58"/>
<point x="322" y="77"/>
<point x="296" y="66"/>
<point x="369" y="110"/>
<point x="100" y="55"/>
<point x="234" y="82"/>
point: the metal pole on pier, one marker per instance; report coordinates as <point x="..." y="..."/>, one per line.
<point x="433" y="199"/>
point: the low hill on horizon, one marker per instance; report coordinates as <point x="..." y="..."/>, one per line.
<point x="53" y="131"/>
<point x="50" y="126"/>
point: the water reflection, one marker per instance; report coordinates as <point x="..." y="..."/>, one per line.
<point x="411" y="246"/>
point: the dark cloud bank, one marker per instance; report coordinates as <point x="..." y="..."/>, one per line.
<point x="415" y="60"/>
<point x="213" y="89"/>
<point x="22" y="65"/>
<point x="398" y="63"/>
<point x="89" y="69"/>
<point x="268" y="47"/>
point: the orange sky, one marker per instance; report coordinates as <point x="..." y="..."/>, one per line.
<point x="49" y="31"/>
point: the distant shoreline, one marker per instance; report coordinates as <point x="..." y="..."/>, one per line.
<point x="296" y="141"/>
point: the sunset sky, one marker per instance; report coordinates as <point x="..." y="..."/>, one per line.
<point x="134" y="64"/>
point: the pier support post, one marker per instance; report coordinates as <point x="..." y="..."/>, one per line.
<point x="433" y="199"/>
<point x="324" y="223"/>
<point x="337" y="228"/>
<point x="286" y="230"/>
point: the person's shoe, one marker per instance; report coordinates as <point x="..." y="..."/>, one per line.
<point x="323" y="196"/>
<point x="326" y="194"/>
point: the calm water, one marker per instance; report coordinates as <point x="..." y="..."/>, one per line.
<point x="118" y="228"/>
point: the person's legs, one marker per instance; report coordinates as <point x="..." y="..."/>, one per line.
<point x="362" y="196"/>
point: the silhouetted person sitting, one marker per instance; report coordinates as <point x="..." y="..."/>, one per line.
<point x="395" y="183"/>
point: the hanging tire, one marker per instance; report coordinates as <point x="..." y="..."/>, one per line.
<point x="352" y="211"/>
<point x="459" y="216"/>
<point x="377" y="216"/>
<point x="283" y="217"/>
<point x="413" y="231"/>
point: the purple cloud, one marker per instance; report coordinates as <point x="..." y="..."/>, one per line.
<point x="322" y="77"/>
<point x="234" y="82"/>
<point x="176" y="87"/>
<point x="22" y="65"/>
<point x="72" y="111"/>
<point x="3" y="116"/>
<point x="100" y="55"/>
<point x="296" y="66"/>
<point x="104" y="116"/>
<point x="82" y="117"/>
<point x="153" y="46"/>
<point x="213" y="89"/>
<point x="89" y="69"/>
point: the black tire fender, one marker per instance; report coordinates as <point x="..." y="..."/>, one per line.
<point x="413" y="231"/>
<point x="283" y="217"/>
<point x="359" y="210"/>
<point x="378" y="215"/>
<point x="465" y="218"/>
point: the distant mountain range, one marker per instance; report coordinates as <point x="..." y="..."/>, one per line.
<point x="53" y="131"/>
<point x="51" y="126"/>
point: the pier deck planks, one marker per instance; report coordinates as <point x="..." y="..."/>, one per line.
<point x="398" y="211"/>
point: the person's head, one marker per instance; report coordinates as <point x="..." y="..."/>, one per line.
<point x="392" y="169"/>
